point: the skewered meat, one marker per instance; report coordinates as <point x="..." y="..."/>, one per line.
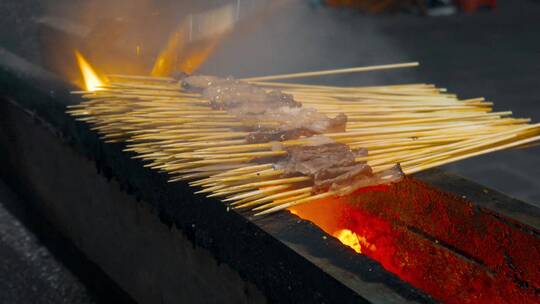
<point x="333" y="166"/>
<point x="246" y="99"/>
<point x="255" y="105"/>
<point x="263" y="136"/>
<point x="351" y="181"/>
<point x="198" y="83"/>
<point x="313" y="159"/>
<point x="302" y="118"/>
<point x="228" y="93"/>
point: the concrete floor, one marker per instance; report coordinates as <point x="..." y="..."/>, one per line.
<point x="38" y="265"/>
<point x="29" y="272"/>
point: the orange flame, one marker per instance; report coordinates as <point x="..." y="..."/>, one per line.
<point x="349" y="238"/>
<point x="190" y="45"/>
<point x="330" y="215"/>
<point x="91" y="79"/>
<point x="181" y="55"/>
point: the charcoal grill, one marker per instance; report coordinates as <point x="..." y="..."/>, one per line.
<point x="162" y="243"/>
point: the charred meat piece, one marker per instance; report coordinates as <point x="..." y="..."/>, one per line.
<point x="246" y="99"/>
<point x="198" y="83"/>
<point x="339" y="177"/>
<point x="333" y="167"/>
<point x="302" y="118"/>
<point x="337" y="124"/>
<point x="350" y="182"/>
<point x="263" y="136"/>
<point x="228" y="93"/>
<point x="258" y="107"/>
<point x="311" y="160"/>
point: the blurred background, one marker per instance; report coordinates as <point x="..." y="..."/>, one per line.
<point x="473" y="48"/>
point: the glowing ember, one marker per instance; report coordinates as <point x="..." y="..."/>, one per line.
<point x="349" y="238"/>
<point x="432" y="239"/>
<point x="91" y="79"/>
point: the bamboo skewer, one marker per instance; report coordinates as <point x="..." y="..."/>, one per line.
<point x="417" y="125"/>
<point x="333" y="72"/>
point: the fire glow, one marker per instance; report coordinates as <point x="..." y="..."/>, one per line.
<point x="92" y="81"/>
<point x="349" y="238"/>
<point x="443" y="246"/>
<point x="179" y="55"/>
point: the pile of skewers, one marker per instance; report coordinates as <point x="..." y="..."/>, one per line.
<point x="177" y="129"/>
